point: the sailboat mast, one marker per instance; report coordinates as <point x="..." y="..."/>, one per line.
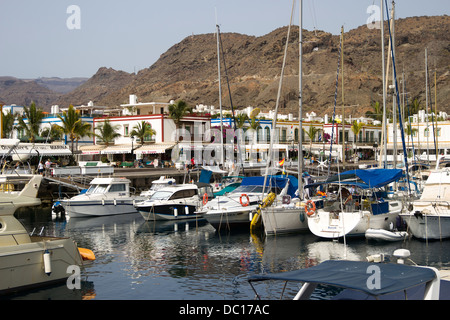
<point x="426" y="102"/>
<point x="343" y="108"/>
<point x="394" y="112"/>
<point x="220" y="97"/>
<point x="384" y="84"/>
<point x="300" y="102"/>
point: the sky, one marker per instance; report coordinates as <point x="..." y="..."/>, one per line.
<point x="61" y="38"/>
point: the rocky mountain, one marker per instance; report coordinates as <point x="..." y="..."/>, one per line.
<point x="23" y="92"/>
<point x="188" y="70"/>
<point x="105" y="82"/>
<point x="61" y="85"/>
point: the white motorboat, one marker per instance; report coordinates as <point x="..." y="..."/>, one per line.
<point x="105" y="197"/>
<point x="352" y="214"/>
<point x="31" y="261"/>
<point x="236" y="208"/>
<point x="429" y="216"/>
<point x="385" y="235"/>
<point x="175" y="203"/>
<point x="162" y="182"/>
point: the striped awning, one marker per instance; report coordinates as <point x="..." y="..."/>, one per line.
<point x="117" y="149"/>
<point x="155" y="148"/>
<point x="92" y="149"/>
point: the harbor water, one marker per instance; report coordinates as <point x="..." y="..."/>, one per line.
<point x="140" y="260"/>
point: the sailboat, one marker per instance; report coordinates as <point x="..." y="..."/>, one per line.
<point x="358" y="204"/>
<point x="429" y="216"/>
<point x="288" y="215"/>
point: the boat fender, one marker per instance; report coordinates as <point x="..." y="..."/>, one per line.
<point x="86" y="254"/>
<point x="47" y="263"/>
<point x="310" y="208"/>
<point x="186" y="210"/>
<point x="302" y="217"/>
<point x="205" y="198"/>
<point x="115" y="202"/>
<point x="103" y="202"/>
<point x="175" y="212"/>
<point x="246" y="203"/>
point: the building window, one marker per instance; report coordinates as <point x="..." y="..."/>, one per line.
<point x="426" y="132"/>
<point x="126" y="129"/>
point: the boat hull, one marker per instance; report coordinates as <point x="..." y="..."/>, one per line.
<point x="431" y="227"/>
<point x="331" y="225"/>
<point x="22" y="266"/>
<point x="168" y="212"/>
<point x="98" y="208"/>
<point x="281" y="220"/>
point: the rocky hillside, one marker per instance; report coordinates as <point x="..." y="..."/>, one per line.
<point x="23" y="92"/>
<point x="188" y="70"/>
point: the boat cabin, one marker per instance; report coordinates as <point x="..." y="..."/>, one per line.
<point x="120" y="186"/>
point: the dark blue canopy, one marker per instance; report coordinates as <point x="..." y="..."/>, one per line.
<point x="365" y="178"/>
<point x="355" y="275"/>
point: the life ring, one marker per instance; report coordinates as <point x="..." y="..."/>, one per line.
<point x="244" y="204"/>
<point x="205" y="198"/>
<point x="320" y="193"/>
<point x="310" y="208"/>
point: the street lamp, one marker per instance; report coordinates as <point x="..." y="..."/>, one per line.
<point x="132" y="148"/>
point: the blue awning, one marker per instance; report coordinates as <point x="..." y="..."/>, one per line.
<point x="365" y="178"/>
<point x="354" y="275"/>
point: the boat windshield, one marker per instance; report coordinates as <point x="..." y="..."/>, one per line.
<point x="161" y="195"/>
<point x="254" y="189"/>
<point x="157" y="186"/>
<point x="97" y="188"/>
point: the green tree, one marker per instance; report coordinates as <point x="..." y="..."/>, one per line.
<point x="178" y="110"/>
<point x="311" y="133"/>
<point x="8" y="124"/>
<point x="33" y="117"/>
<point x="356" y="128"/>
<point x="143" y="130"/>
<point x="240" y="120"/>
<point x="376" y="113"/>
<point x="55" y="132"/>
<point x="107" y="132"/>
<point x="83" y="129"/>
<point x="71" y="121"/>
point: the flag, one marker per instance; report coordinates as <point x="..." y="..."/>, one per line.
<point x="281" y="162"/>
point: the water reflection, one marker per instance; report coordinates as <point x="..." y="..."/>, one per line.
<point x="136" y="259"/>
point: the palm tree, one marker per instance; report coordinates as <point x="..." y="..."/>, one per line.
<point x="107" y="132"/>
<point x="409" y="131"/>
<point x="83" y="129"/>
<point x="71" y="120"/>
<point x="356" y="128"/>
<point x="311" y="133"/>
<point x="177" y="111"/>
<point x="143" y="130"/>
<point x="377" y="113"/>
<point x="54" y="132"/>
<point x="34" y="117"/>
<point x="8" y="124"/>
